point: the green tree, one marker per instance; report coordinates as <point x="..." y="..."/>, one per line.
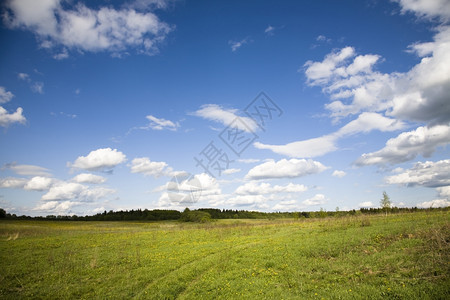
<point x="385" y="203"/>
<point x="2" y="213"/>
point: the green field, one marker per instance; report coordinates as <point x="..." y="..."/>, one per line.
<point x="404" y="256"/>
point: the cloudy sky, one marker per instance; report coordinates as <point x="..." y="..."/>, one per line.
<point x="258" y="105"/>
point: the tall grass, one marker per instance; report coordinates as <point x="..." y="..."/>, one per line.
<point x="371" y="257"/>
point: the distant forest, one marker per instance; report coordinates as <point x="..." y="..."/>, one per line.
<point x="209" y="214"/>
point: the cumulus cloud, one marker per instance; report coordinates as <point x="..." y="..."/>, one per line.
<point x="420" y="94"/>
<point x="7" y="119"/>
<point x="333" y="66"/>
<point x="12" y="183"/>
<point x="5" y="96"/>
<point x="366" y="204"/>
<point x="161" y="124"/>
<point x="100" y="159"/>
<point x="444" y="192"/>
<point x="56" y="207"/>
<point x="89" y="178"/>
<point x="287" y="205"/>
<point x="434" y="203"/>
<point x="144" y="166"/>
<point x="27" y="170"/>
<point x="256" y="201"/>
<point x="317" y="199"/>
<point x="185" y="189"/>
<point x="226" y="117"/>
<point x="366" y="122"/>
<point x="407" y="145"/>
<point x="429" y="174"/>
<point x="339" y="174"/>
<point x="285" y="169"/>
<point x="427" y="9"/>
<point x="39" y="183"/>
<point x="78" y="27"/>
<point x="255" y="188"/>
<point x="75" y="191"/>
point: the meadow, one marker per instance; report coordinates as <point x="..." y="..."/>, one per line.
<point x="399" y="256"/>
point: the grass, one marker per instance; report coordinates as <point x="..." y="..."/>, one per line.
<point x="372" y="257"/>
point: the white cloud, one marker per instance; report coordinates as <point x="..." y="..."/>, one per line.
<point x="434" y="203"/>
<point x="161" y="124"/>
<point x="71" y="191"/>
<point x="5" y="96"/>
<point x="12" y="183"/>
<point x="185" y="189"/>
<point x="235" y="45"/>
<point x="407" y="145"/>
<point x="55" y="207"/>
<point x="319" y="146"/>
<point x="144" y="166"/>
<point x="100" y="159"/>
<point x="429" y="174"/>
<point x="81" y="28"/>
<point x="255" y="188"/>
<point x="420" y="94"/>
<point x="270" y="30"/>
<point x="23" y="76"/>
<point x="322" y="72"/>
<point x="226" y="117"/>
<point x="318" y="199"/>
<point x="339" y="174"/>
<point x="7" y="119"/>
<point x="231" y="171"/>
<point x="145" y="4"/>
<point x="39" y="183"/>
<point x="307" y="148"/>
<point x="366" y="204"/>
<point x="367" y="122"/>
<point x="322" y="38"/>
<point x="248" y="160"/>
<point x="285" y="169"/>
<point x="287" y="205"/>
<point x="427" y="8"/>
<point x="257" y="201"/>
<point x="89" y="178"/>
<point x="444" y="192"/>
<point x="38" y="87"/>
<point x="64" y="191"/>
<point x="61" y="55"/>
<point x="27" y="170"/>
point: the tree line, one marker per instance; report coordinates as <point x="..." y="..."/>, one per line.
<point x="208" y="214"/>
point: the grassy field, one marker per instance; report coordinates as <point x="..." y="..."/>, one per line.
<point x="395" y="257"/>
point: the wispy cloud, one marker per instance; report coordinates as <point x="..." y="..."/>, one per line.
<point x="270" y="30"/>
<point x="366" y="122"/>
<point x="235" y="45"/>
<point x="226" y="117"/>
<point x="161" y="124"/>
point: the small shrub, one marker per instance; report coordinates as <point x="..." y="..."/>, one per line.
<point x="195" y="216"/>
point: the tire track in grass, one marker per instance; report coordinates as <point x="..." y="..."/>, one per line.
<point x="179" y="281"/>
<point x="194" y="270"/>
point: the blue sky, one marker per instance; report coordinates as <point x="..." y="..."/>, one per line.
<point x="108" y="104"/>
